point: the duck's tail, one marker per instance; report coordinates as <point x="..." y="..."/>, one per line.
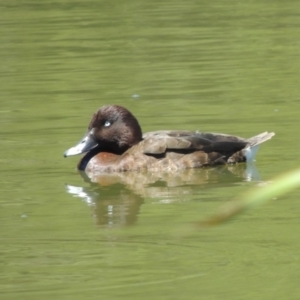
<point x="254" y="143"/>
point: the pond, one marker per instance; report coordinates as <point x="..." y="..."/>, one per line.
<point x="218" y="67"/>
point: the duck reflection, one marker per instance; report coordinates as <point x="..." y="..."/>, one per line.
<point x="116" y="198"/>
<point x="112" y="206"/>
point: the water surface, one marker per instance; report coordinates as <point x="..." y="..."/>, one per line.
<point x="224" y="67"/>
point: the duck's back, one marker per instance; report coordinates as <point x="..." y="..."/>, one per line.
<point x="173" y="150"/>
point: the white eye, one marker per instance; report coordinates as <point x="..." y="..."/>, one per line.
<point x="107" y="124"/>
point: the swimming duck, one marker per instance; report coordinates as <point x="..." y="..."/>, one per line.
<point x="114" y="143"/>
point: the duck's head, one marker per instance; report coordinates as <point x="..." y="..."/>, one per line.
<point x="112" y="128"/>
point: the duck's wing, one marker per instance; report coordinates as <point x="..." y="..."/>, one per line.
<point x="159" y="142"/>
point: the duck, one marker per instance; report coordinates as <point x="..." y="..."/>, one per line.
<point x="114" y="142"/>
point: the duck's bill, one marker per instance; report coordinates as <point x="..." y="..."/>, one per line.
<point x="86" y="144"/>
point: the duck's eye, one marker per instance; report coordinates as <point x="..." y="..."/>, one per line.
<point x="107" y="124"/>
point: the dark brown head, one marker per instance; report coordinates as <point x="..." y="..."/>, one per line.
<point x="112" y="129"/>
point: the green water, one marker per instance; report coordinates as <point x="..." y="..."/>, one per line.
<point x="230" y="67"/>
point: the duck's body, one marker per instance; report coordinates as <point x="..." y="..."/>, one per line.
<point x="114" y="143"/>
